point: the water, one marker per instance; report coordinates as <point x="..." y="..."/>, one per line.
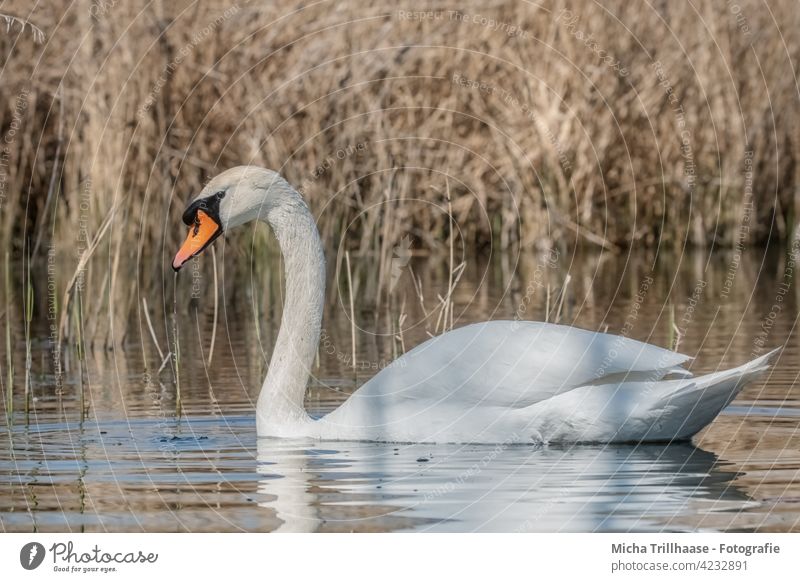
<point x="132" y="464"/>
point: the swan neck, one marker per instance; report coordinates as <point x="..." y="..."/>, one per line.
<point x="280" y="404"/>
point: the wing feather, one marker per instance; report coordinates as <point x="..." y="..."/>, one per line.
<point x="514" y="364"/>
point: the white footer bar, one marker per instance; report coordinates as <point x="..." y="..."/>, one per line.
<point x="387" y="557"/>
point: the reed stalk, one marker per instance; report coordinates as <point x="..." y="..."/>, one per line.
<point x="216" y="306"/>
<point x="28" y="319"/>
<point x="9" y="355"/>
<point x="449" y="304"/>
<point x="418" y="290"/>
<point x="352" y="309"/>
<point x="176" y="357"/>
<point x="561" y="297"/>
<point x="547" y="305"/>
<point x="401" y="319"/>
<point x="674" y="331"/>
<point x="150" y="328"/>
<point x="80" y="347"/>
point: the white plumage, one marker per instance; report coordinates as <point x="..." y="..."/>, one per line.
<point x="492" y="382"/>
<point x="508" y="381"/>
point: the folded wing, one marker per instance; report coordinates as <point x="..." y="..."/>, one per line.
<point x="513" y="364"/>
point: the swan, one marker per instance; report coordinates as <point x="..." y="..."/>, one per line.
<point x="491" y="382"/>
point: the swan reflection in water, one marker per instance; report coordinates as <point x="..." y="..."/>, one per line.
<point x="337" y="486"/>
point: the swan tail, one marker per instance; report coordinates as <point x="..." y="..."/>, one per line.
<point x="640" y="411"/>
<point x="701" y="399"/>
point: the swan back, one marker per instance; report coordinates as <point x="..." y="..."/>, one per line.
<point x="518" y="363"/>
<point x="490" y="369"/>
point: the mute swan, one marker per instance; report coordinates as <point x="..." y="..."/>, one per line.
<point x="491" y="382"/>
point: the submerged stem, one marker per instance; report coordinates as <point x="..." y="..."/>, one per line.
<point x="28" y="318"/>
<point x="9" y="358"/>
<point x="216" y="307"/>
<point x="176" y="352"/>
<point x="352" y="310"/>
<point x="81" y="355"/>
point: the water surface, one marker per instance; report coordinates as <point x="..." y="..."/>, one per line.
<point x="132" y="464"/>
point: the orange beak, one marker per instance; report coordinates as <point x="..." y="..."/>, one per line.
<point x="201" y="234"/>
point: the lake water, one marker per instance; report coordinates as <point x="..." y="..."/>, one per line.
<point x="133" y="464"/>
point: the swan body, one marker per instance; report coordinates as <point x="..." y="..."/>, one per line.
<point x="492" y="382"/>
<point x="529" y="382"/>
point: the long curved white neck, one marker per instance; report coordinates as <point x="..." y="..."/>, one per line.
<point x="280" y="403"/>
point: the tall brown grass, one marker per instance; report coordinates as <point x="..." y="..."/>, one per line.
<point x="673" y="123"/>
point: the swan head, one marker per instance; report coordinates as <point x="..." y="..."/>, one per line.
<point x="230" y="199"/>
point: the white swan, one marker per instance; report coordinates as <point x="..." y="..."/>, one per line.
<point x="492" y="382"/>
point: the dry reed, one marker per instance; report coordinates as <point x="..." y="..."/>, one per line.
<point x="28" y="310"/>
<point x="9" y="353"/>
<point x="121" y="115"/>
<point x="352" y="308"/>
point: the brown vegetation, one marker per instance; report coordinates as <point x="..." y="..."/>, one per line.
<point x="671" y="123"/>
